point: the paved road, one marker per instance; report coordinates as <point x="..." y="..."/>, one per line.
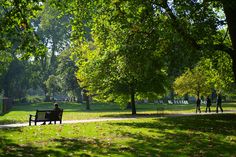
<point x="109" y="119"/>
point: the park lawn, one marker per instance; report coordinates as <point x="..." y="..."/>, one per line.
<point x="200" y="135"/>
<point x="77" y="111"/>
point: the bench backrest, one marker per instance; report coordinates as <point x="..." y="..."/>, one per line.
<point x="48" y="115"/>
<point x="41" y="114"/>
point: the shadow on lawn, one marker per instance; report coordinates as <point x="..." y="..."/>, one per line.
<point x="181" y="136"/>
<point x="10" y="149"/>
<point x="145" y="115"/>
<point x="65" y="147"/>
<point x="192" y="136"/>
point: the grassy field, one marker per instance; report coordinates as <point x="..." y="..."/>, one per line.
<point x="200" y="135"/>
<point x="76" y="111"/>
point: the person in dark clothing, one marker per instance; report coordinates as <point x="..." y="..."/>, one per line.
<point x="53" y="114"/>
<point x="219" y="103"/>
<point x="208" y="104"/>
<point x="198" y="104"/>
<point x="56" y="108"/>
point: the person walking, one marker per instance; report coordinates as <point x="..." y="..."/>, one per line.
<point x="219" y="103"/>
<point x="198" y="105"/>
<point x="208" y="104"/>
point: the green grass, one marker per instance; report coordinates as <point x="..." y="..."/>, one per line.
<point x="75" y="111"/>
<point x="200" y="135"/>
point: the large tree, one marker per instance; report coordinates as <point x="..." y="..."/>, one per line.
<point x="124" y="59"/>
<point x="196" y="23"/>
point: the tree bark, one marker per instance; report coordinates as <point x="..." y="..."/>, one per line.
<point x="230" y="13"/>
<point x="132" y="94"/>
<point x="87" y="103"/>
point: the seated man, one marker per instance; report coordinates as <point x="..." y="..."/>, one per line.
<point x="53" y="114"/>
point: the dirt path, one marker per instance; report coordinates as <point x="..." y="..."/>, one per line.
<point x="109" y="119"/>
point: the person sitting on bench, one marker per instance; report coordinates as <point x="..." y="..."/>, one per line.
<point x="53" y="114"/>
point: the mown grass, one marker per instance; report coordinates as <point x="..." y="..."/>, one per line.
<point x="200" y="135"/>
<point x="76" y="111"/>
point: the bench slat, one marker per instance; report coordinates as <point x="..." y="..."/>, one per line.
<point x="46" y="115"/>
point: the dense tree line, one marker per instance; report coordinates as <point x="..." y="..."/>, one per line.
<point x="120" y="50"/>
<point x="47" y="36"/>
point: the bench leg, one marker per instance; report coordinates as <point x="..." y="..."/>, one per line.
<point x="35" y="123"/>
<point x="30" y="118"/>
<point x="55" y="122"/>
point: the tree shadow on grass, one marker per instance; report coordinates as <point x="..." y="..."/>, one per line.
<point x="59" y="147"/>
<point x="65" y="147"/>
<point x="184" y="136"/>
<point x="224" y="124"/>
<point x="86" y="146"/>
<point x="176" y="136"/>
<point x="179" y="144"/>
<point x="10" y="149"/>
<point x="148" y="115"/>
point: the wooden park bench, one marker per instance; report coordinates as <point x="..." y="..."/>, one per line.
<point x="46" y="116"/>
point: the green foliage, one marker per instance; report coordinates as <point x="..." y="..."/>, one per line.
<point x="53" y="29"/>
<point x="17" y="34"/>
<point x="52" y="85"/>
<point x="223" y="79"/>
<point x="204" y="78"/>
<point x="187" y="30"/>
<point x="66" y="72"/>
<point x="123" y="59"/>
<point x="15" y="80"/>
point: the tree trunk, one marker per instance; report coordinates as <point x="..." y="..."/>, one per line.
<point x="198" y="94"/>
<point x="230" y="13"/>
<point x="132" y="94"/>
<point x="87" y="103"/>
<point x="234" y="64"/>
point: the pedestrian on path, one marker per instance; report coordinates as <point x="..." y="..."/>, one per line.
<point x="198" y="105"/>
<point x="219" y="103"/>
<point x="208" y="104"/>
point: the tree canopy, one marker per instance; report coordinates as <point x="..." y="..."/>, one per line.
<point x="123" y="50"/>
<point x="193" y="28"/>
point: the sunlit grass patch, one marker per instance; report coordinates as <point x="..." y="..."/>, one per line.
<point x="77" y="111"/>
<point x="200" y="135"/>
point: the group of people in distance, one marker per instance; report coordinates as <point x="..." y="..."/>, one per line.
<point x="208" y="104"/>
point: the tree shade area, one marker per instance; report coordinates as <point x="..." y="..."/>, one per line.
<point x="198" y="135"/>
<point x="117" y="51"/>
<point x="128" y="72"/>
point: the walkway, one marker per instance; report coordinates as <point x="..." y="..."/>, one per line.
<point x="111" y="119"/>
<point x="66" y="122"/>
